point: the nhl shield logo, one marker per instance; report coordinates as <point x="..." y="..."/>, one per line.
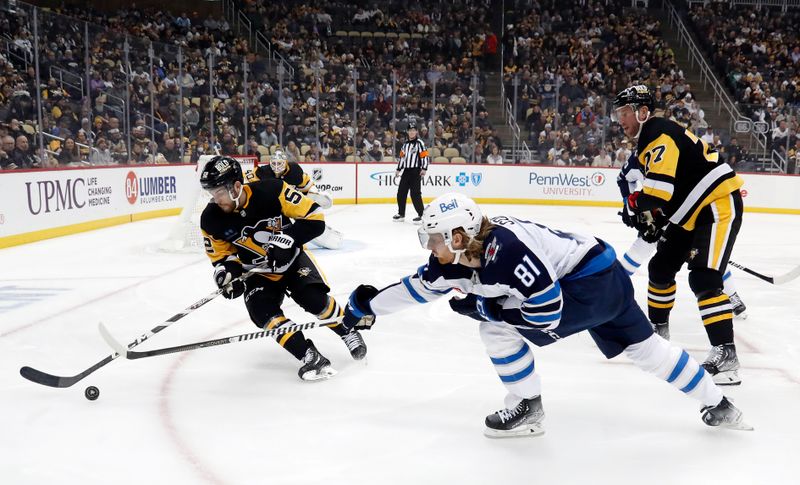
<point x="316" y="174"/>
<point x="476" y="178"/>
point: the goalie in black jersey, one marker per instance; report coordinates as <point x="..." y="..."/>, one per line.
<point x="694" y="197"/>
<point x="263" y="225"/>
<point x="292" y="173"/>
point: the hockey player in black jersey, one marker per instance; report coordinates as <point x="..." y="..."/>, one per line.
<point x="686" y="184"/>
<point x="264" y="225"/>
<point x="293" y="174"/>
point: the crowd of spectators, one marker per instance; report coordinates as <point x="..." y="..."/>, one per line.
<point x="757" y="52"/>
<point x="570" y="60"/>
<point x="316" y="99"/>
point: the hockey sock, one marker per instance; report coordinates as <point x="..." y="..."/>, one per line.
<point x="660" y="300"/>
<point x="717" y="314"/>
<point x="674" y="365"/>
<point x="333" y="310"/>
<point x="512" y="359"/>
<point x="637" y="254"/>
<point x="730" y="286"/>
<point x="294" y="342"/>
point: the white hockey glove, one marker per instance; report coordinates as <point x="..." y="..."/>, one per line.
<point x="226" y="276"/>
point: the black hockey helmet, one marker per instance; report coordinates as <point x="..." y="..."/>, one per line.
<point x="638" y="95"/>
<point x="221" y="171"/>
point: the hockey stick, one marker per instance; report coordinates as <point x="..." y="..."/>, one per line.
<point x="129" y="354"/>
<point x="775" y="280"/>
<point x="52" y="380"/>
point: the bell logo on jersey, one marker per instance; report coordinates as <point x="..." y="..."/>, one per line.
<point x="449" y="206"/>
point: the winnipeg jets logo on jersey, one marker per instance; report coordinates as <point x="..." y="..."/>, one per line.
<point x="491" y="251"/>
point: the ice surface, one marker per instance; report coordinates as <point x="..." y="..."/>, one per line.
<point x="412" y="414"/>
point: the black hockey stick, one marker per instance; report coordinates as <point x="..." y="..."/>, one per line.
<point x="129" y="354"/>
<point x="51" y="380"/>
<point x="775" y="280"/>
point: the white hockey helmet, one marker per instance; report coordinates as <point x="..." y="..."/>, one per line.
<point x="278" y="163"/>
<point x="445" y="214"/>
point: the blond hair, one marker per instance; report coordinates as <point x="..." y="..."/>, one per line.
<point x="475" y="245"/>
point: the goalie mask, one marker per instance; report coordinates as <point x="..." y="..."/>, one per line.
<point x="278" y="163"/>
<point x="445" y="214"/>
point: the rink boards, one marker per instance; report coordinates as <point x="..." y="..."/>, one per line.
<point x="36" y="205"/>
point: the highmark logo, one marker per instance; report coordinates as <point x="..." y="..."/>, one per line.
<point x="462" y="179"/>
<point x="389" y="179"/>
<point x="567" y="183"/>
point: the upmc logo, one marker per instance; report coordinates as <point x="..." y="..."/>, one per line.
<point x="567" y="180"/>
<point x="56" y="195"/>
<point x="131" y="188"/>
<point x="463" y="179"/>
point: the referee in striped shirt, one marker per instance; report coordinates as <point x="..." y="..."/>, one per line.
<point x="412" y="164"/>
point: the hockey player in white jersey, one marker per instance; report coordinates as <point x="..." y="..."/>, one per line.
<point x="630" y="179"/>
<point x="527" y="283"/>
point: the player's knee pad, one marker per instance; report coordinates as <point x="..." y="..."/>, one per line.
<point x="705" y="282"/>
<point x="659" y="275"/>
<point x="313" y="298"/>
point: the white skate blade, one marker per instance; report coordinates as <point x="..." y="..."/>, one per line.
<point x="740" y="426"/>
<point x="741" y="316"/>
<point x="528" y="430"/>
<point x="727" y="378"/>
<point x="321" y="375"/>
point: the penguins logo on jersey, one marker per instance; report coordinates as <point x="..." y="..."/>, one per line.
<point x="256" y="238"/>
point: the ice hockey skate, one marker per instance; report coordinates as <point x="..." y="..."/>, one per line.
<point x="723" y="365"/>
<point x="315" y="366"/>
<point x="523" y="420"/>
<point x="662" y="330"/>
<point x="739" y="308"/>
<point x="355" y="344"/>
<point x="724" y="415"/>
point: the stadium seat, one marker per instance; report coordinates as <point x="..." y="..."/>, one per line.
<point x="391" y="35"/>
<point x="366" y="34"/>
<point x="450" y="152"/>
<point x="264" y="151"/>
<point x="354" y="33"/>
<point x="404" y="35"/>
<point x="416" y="35"/>
<point x="341" y="33"/>
<point x="434" y="152"/>
<point x="273" y="149"/>
<point x="379" y="34"/>
<point x="458" y="160"/>
<point x="441" y="160"/>
<point x="304" y="149"/>
<point x="388" y="158"/>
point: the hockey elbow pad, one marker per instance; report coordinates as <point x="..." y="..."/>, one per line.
<point x="357" y="313"/>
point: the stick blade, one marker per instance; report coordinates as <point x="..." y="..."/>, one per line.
<point x="791" y="275"/>
<point x="39" y="377"/>
<point x="115" y="344"/>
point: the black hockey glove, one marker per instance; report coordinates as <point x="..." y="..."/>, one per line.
<point x="280" y="251"/>
<point x="226" y="276"/>
<point x="650" y="228"/>
<point x="357" y="313"/>
<point x="628" y="218"/>
<point x="478" y="307"/>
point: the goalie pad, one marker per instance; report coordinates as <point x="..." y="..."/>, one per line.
<point x="330" y="239"/>
<point x="323" y="199"/>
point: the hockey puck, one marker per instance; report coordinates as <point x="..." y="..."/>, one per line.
<point x="92" y="393"/>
